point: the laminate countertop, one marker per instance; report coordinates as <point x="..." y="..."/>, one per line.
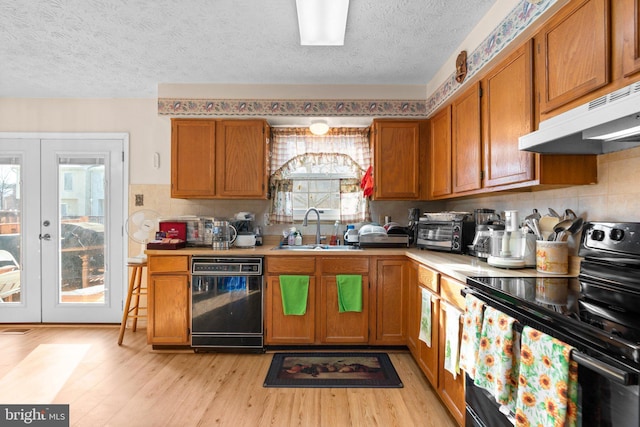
<point x="456" y="266"/>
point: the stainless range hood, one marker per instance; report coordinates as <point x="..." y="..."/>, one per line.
<point x="606" y="124"/>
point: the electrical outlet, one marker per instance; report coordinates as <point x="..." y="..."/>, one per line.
<point x="139" y="200"/>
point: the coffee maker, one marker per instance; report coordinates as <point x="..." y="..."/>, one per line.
<point x="481" y="246"/>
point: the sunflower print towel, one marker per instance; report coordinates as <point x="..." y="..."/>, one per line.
<point x="548" y="382"/>
<point x="497" y="367"/>
<point x="471" y="328"/>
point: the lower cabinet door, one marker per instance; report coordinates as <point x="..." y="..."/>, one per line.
<point x="288" y="329"/>
<point x="349" y="327"/>
<point x="428" y="355"/>
<point x="451" y="389"/>
<point x="168" y="305"/>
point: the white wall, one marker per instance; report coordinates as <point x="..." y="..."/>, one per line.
<point x="148" y="133"/>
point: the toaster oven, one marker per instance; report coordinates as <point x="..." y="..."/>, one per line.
<point x="445" y="235"/>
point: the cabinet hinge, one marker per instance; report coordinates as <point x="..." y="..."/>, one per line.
<point x="123" y="156"/>
<point x="481" y="175"/>
<point x="480" y="92"/>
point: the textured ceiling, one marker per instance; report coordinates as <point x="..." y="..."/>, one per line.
<point x="124" y="48"/>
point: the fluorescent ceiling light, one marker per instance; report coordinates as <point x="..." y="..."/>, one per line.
<point x="322" y="22"/>
<point x="319" y="127"/>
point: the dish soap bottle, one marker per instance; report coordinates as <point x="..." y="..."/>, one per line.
<point x="298" y="239"/>
<point x="291" y="239"/>
<point x="336" y="233"/>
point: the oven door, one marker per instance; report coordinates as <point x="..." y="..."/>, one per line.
<point x="601" y="402"/>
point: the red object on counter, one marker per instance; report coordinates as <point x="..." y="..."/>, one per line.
<point x="174" y="229"/>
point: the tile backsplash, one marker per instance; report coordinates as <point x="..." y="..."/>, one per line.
<point x="616" y="197"/>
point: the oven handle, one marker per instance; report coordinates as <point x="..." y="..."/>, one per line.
<point x="612" y="373"/>
<point x="607" y="371"/>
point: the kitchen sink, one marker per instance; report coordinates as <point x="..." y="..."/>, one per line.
<point x="317" y="248"/>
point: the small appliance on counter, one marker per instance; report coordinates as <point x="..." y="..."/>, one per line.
<point x="508" y="245"/>
<point x="198" y="232"/>
<point x="481" y="246"/>
<point x="445" y="231"/>
<point x="375" y="236"/>
<point x="223" y="235"/>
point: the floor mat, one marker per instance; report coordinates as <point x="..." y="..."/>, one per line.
<point x="332" y="370"/>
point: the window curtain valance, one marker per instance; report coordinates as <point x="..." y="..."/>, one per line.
<point x="296" y="149"/>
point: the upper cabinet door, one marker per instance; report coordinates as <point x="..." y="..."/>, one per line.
<point x="440" y="154"/>
<point x="630" y="17"/>
<point x="192" y="158"/>
<point x="241" y="153"/>
<point x="573" y="52"/>
<point x="396" y="151"/>
<point x="507" y="109"/>
<point x="466" y="141"/>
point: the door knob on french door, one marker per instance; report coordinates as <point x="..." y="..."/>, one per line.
<point x="45" y="236"/>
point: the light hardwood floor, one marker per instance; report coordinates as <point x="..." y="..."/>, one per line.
<point x="132" y="385"/>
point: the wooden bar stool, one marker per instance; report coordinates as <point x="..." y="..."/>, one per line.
<point x="133" y="299"/>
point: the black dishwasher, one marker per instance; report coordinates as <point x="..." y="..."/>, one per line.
<point x="227" y="303"/>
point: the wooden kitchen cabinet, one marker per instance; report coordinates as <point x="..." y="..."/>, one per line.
<point x="193" y="158"/>
<point x="289" y="329"/>
<point x="241" y="159"/>
<point x="573" y="53"/>
<point x="428" y="356"/>
<point x="219" y="159"/>
<point x="466" y="148"/>
<point x="450" y="389"/>
<point x="629" y="17"/>
<point x="347" y="327"/>
<point x="507" y="114"/>
<point x="399" y="148"/>
<point x="168" y="300"/>
<point x="413" y="310"/>
<point x="391" y="301"/>
<point x="440" y="154"/>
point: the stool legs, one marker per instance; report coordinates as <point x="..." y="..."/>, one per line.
<point x="133" y="295"/>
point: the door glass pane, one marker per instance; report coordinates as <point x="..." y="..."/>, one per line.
<point x="10" y="207"/>
<point x="81" y="197"/>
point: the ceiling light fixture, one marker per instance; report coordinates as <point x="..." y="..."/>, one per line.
<point x="319" y="127"/>
<point x="322" y="22"/>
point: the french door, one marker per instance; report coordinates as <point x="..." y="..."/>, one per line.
<point x="62" y="209"/>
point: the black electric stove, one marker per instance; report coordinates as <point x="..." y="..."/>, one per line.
<point x="598" y="313"/>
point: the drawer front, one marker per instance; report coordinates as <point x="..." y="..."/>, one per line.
<point x="291" y="264"/>
<point x="342" y="265"/>
<point x="450" y="291"/>
<point x="172" y="263"/>
<point x="429" y="278"/>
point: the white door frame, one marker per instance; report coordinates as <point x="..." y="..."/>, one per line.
<point x="25" y="310"/>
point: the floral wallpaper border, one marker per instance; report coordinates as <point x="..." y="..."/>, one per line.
<point x="513" y="25"/>
<point x="265" y="107"/>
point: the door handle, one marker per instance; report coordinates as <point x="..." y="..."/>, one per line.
<point x="45" y="236"/>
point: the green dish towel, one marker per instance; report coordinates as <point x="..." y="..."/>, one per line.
<point x="294" y="291"/>
<point x="349" y="292"/>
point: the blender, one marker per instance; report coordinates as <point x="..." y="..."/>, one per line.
<point x="508" y="245"/>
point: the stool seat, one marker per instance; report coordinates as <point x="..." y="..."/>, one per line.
<point x="132" y="306"/>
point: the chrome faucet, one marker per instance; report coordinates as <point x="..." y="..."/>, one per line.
<point x="304" y="223"/>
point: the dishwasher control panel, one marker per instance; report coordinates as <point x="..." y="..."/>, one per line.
<point x="214" y="266"/>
